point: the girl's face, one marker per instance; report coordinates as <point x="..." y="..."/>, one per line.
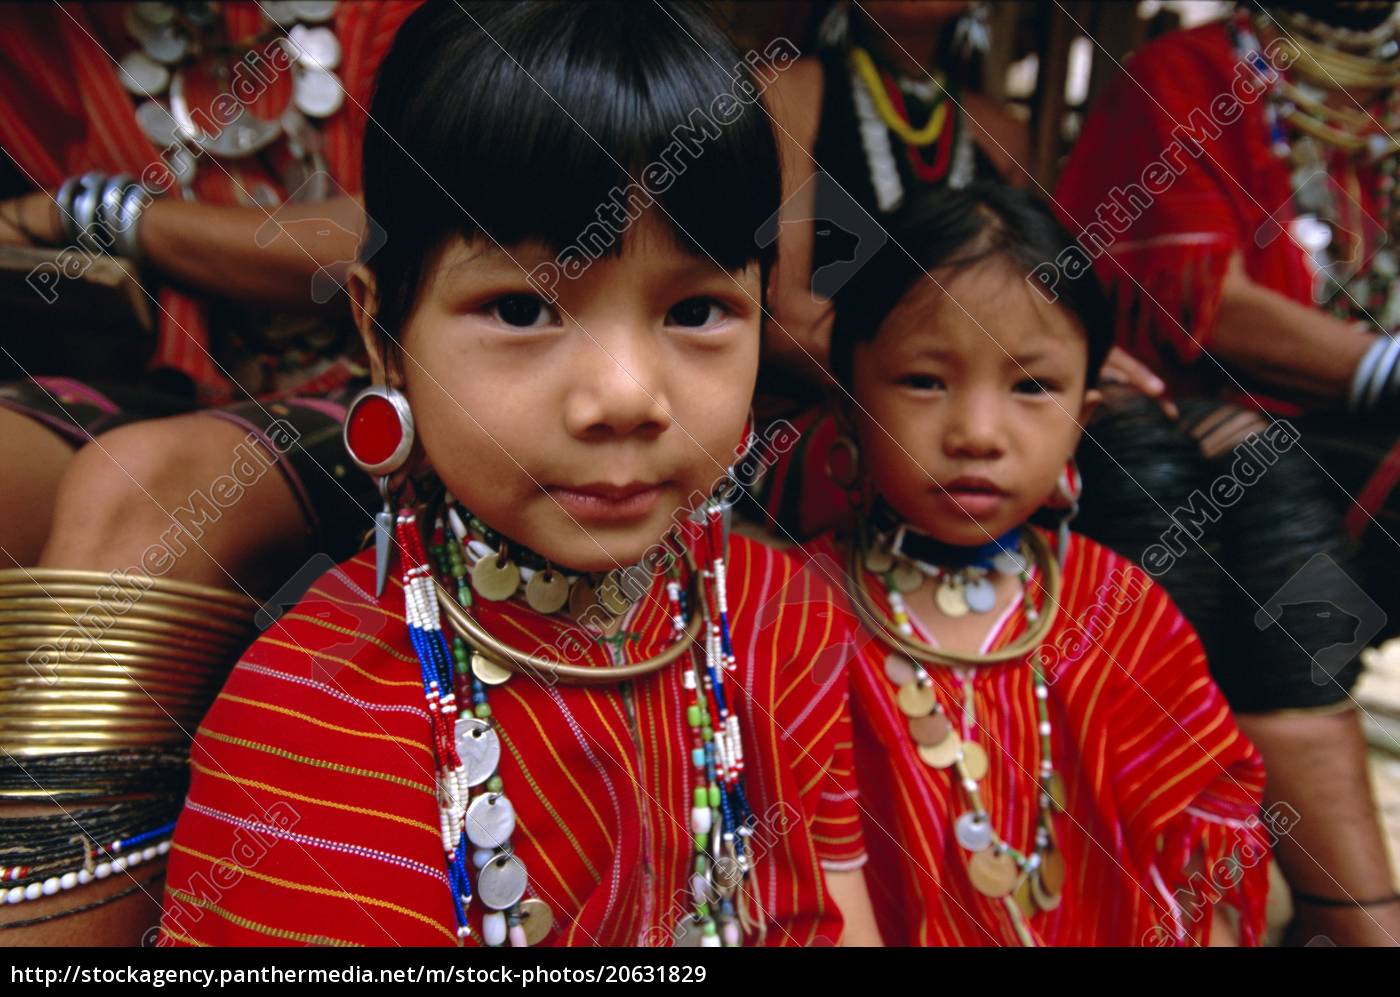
<point x="581" y="428"/>
<point x="971" y="406"/>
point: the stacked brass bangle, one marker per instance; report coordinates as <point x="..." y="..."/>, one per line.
<point x="104" y="678"/>
<point x="92" y="661"/>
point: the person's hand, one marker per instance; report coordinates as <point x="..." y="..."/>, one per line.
<point x="1122" y="367"/>
<point x="31" y="220"/>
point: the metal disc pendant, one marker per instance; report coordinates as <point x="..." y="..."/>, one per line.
<point x="907" y="578"/>
<point x="157" y="124"/>
<point x="501" y="882"/>
<point x="1024" y="898"/>
<point x="164" y="43"/>
<point x="974" y="761"/>
<point x="490" y="821"/>
<point x="313" y="11"/>
<point x="142" y="75"/>
<point x="879" y="560"/>
<point x="245" y="135"/>
<point x="489" y="671"/>
<point x="479" y="747"/>
<point x="315" y="47"/>
<point x="1052" y="871"/>
<point x="993" y="873"/>
<point x="494" y="580"/>
<point x="949" y="598"/>
<point x="943" y="754"/>
<point x="279" y="12"/>
<point x="899" y="669"/>
<point x="689" y="934"/>
<point x="973" y="831"/>
<point x="1009" y="562"/>
<point x="318" y="93"/>
<point x="1044" y="899"/>
<point x="611" y="596"/>
<point x="916" y="700"/>
<point x="547" y="591"/>
<point x="980" y="595"/>
<point x="582" y="599"/>
<point x="536" y="917"/>
<point x="930" y="730"/>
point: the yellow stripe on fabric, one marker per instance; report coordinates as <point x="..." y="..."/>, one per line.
<point x="565" y="770"/>
<point x="356" y="603"/>
<point x="184" y="938"/>
<point x="349" y="808"/>
<point x="384" y="646"/>
<point x="559" y="821"/>
<point x="320" y="890"/>
<point x="273" y="707"/>
<point x="251" y="925"/>
<point x="344" y="662"/>
<point x="290" y="756"/>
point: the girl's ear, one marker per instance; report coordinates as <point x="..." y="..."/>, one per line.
<point x="364" y="305"/>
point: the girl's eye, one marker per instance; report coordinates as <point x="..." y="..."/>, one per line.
<point x="695" y="313"/>
<point x="921" y="382"/>
<point x="1034" y="386"/>
<point x="523" y="311"/>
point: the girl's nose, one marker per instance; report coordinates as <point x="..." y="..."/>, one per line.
<point x="619" y="386"/>
<point x="973" y="426"/>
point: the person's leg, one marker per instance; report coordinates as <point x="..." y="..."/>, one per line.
<point x="1298" y="614"/>
<point x="190" y="497"/>
<point x="34" y="458"/>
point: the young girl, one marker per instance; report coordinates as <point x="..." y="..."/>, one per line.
<point x="1043" y="758"/>
<point x="563" y="721"/>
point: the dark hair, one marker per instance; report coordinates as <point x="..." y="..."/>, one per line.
<point x="948" y="231"/>
<point x="520" y="122"/>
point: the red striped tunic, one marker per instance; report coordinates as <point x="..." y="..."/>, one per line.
<point x="311" y="817"/>
<point x="1154" y="768"/>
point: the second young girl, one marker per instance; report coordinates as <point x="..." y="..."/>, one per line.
<point x="1043" y="757"/>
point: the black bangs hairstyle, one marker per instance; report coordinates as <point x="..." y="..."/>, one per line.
<point x="525" y="121"/>
<point x="942" y="232"/>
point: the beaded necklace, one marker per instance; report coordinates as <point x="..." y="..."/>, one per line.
<point x="467" y="750"/>
<point x="1026" y="882"/>
<point x="880" y="108"/>
<point x="1301" y="130"/>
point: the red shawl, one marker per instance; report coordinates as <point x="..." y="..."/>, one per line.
<point x="1181" y="147"/>
<point x="1154" y="768"/>
<point x="311" y="817"/>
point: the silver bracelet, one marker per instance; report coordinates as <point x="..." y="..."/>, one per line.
<point x="1385" y="369"/>
<point x="1361" y="380"/>
<point x="85" y="202"/>
<point x="108" y="204"/>
<point x="127" y="222"/>
<point x="68" y="194"/>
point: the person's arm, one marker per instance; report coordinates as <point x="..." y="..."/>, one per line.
<point x="249" y="254"/>
<point x="1293" y="349"/>
<point x="798" y="337"/>
<point x="1317" y="764"/>
<point x="849" y="892"/>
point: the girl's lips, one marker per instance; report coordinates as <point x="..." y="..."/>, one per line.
<point x="608" y="503"/>
<point x="973" y="503"/>
<point x="977" y="497"/>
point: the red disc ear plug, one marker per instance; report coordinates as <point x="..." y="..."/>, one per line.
<point x="378" y="436"/>
<point x="379" y="430"/>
